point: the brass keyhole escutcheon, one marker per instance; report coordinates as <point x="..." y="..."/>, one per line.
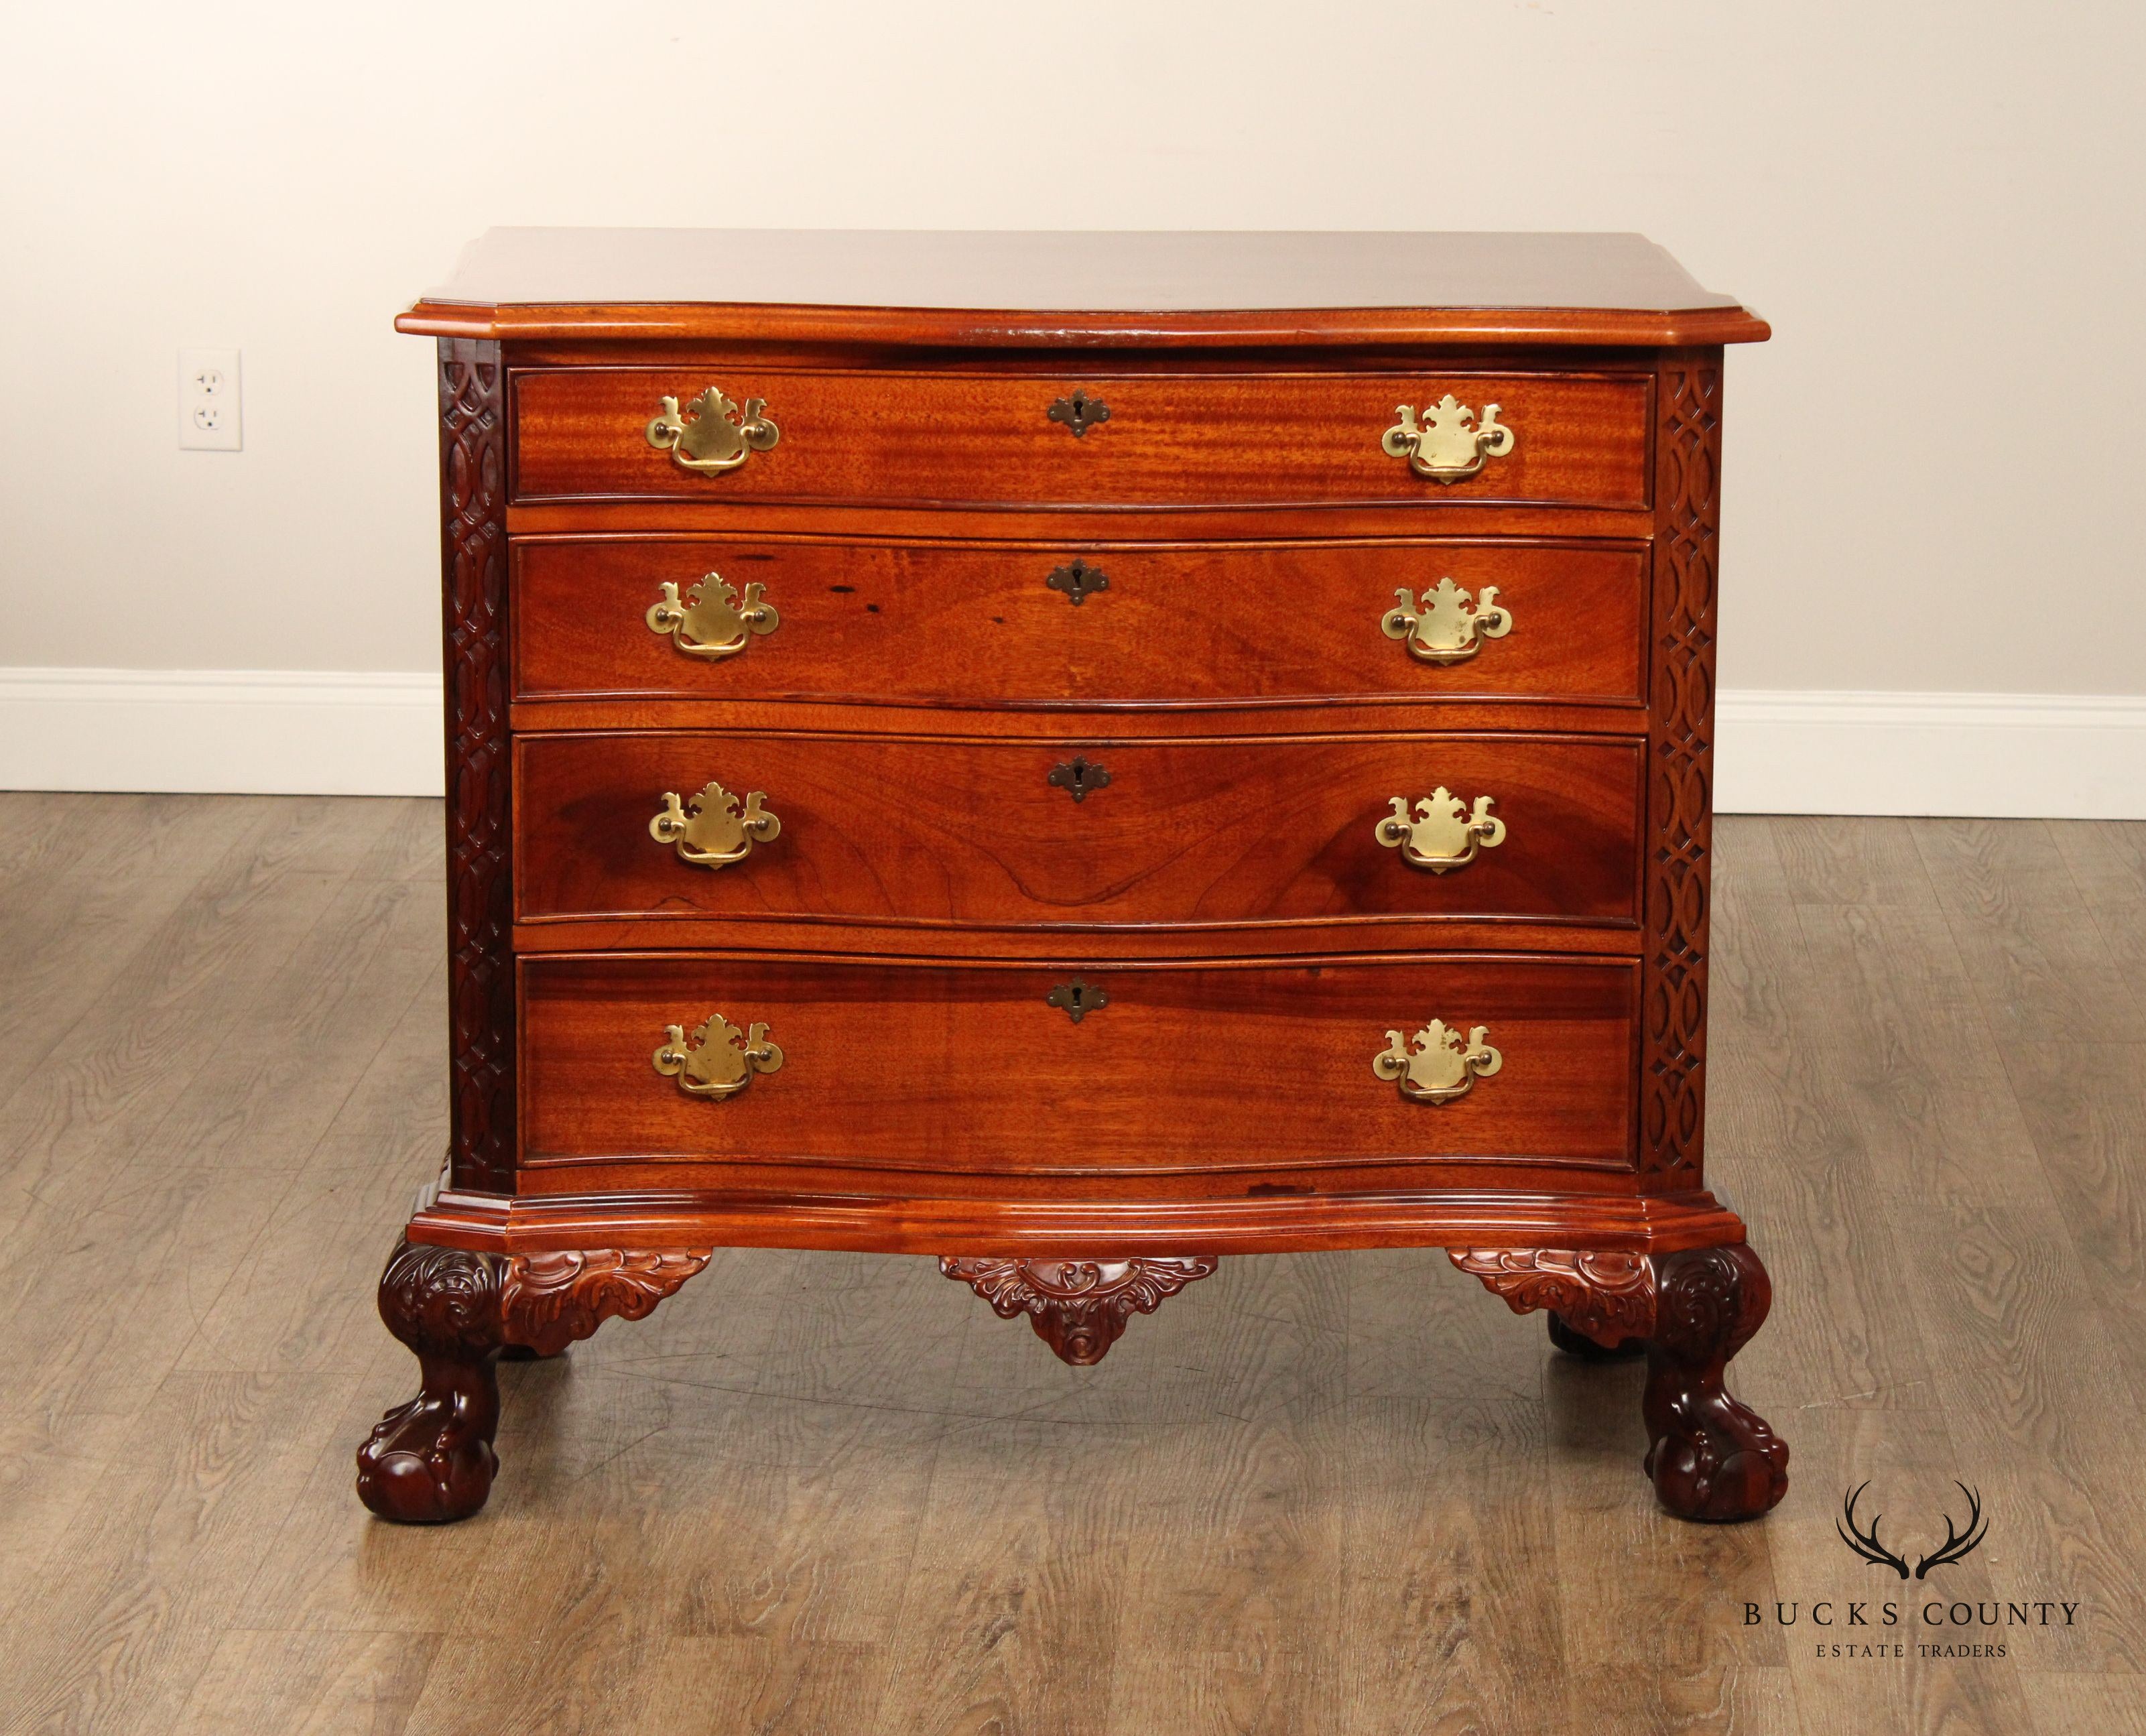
<point x="711" y="433"/>
<point x="1441" y="833"/>
<point x="1079" y="413"/>
<point x="1078" y="776"/>
<point x="1448" y="625"/>
<point x="1449" y="443"/>
<point x="1441" y="1066"/>
<point x="1080" y="582"/>
<point x="712" y="830"/>
<point x="1076" y="999"/>
<point x="720" y="1061"/>
<point x="710" y="621"/>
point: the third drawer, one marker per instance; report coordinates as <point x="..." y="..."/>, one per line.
<point x="1081" y="833"/>
<point x="1232" y="1079"/>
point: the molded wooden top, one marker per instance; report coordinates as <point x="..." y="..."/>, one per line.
<point x="1072" y="286"/>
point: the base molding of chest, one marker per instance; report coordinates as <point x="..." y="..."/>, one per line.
<point x="1472" y="1219"/>
<point x="460" y="1304"/>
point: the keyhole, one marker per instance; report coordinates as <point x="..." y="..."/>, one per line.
<point x="1076" y="999"/>
<point x="1080" y="776"/>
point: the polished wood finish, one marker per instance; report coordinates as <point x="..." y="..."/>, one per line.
<point x="899" y="621"/>
<point x="833" y="1490"/>
<point x="1677" y="848"/>
<point x="431" y="1459"/>
<point x="1067" y="289"/>
<point x="1181" y="1086"/>
<point x="1711" y="1457"/>
<point x="1078" y="941"/>
<point x="480" y="1148"/>
<point x="1078" y="1307"/>
<point x="945" y="832"/>
<point x="889" y="438"/>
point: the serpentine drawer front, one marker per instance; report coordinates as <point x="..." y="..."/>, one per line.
<point x="988" y="438"/>
<point x="1034" y="625"/>
<point x="1077" y="756"/>
<point x="957" y="1072"/>
<point x="877" y="829"/>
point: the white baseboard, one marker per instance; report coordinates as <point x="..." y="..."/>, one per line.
<point x="301" y="731"/>
<point x="244" y="731"/>
<point x="2000" y="755"/>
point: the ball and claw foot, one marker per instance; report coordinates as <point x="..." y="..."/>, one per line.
<point x="1712" y="1458"/>
<point x="432" y="1459"/>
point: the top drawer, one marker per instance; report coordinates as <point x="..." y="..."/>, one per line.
<point x="1043" y="440"/>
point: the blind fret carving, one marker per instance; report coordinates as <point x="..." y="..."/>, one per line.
<point x="481" y="1145"/>
<point x="1681" y="764"/>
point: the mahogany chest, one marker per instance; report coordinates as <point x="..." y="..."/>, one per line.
<point x="1077" y="755"/>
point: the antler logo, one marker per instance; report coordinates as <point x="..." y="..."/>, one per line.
<point x="1866" y="1543"/>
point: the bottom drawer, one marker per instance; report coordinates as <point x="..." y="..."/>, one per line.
<point x="1250" y="1072"/>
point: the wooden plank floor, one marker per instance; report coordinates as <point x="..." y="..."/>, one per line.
<point x="826" y="1493"/>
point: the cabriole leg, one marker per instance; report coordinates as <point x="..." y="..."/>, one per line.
<point x="431" y="1459"/>
<point x="1712" y="1458"/>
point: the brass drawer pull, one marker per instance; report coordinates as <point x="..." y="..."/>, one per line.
<point x="1442" y="1065"/>
<point x="721" y="1059"/>
<point x="1442" y="835"/>
<point x="710" y="622"/>
<point x="711" y="434"/>
<point x="1448" y="625"/>
<point x="709" y="832"/>
<point x="1449" y="444"/>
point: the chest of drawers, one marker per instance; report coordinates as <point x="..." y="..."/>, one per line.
<point x="1079" y="756"/>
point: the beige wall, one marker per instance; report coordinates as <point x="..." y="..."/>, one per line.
<point x="1931" y="468"/>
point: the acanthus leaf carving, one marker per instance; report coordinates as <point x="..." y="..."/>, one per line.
<point x="549" y="1300"/>
<point x="1606" y="1295"/>
<point x="1078" y="1307"/>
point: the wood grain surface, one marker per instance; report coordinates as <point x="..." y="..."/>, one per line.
<point x="1179" y="1087"/>
<point x="1185" y="833"/>
<point x="891" y="438"/>
<point x="1340" y="1492"/>
<point x="892" y="621"/>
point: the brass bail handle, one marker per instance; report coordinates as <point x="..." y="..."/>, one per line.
<point x="1447" y="625"/>
<point x="720" y="1061"/>
<point x="1439" y="833"/>
<point x="711" y="621"/>
<point x="711" y="433"/>
<point x="1449" y="442"/>
<point x="1442" y="1066"/>
<point x="712" y="830"/>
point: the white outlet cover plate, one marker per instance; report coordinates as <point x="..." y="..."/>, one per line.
<point x="209" y="401"/>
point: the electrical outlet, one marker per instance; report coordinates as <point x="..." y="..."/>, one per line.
<point x="208" y="401"/>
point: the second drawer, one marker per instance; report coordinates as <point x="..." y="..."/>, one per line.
<point x="1103" y="833"/>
